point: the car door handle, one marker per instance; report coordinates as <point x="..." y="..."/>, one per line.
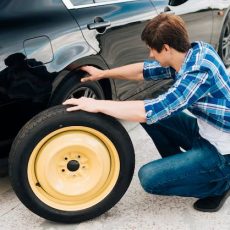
<point x="98" y="25"/>
<point x="167" y="10"/>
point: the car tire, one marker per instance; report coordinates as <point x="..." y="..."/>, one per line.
<point x="71" y="166"/>
<point x="72" y="87"/>
<point x="224" y="42"/>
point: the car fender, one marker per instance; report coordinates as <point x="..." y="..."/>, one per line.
<point x="94" y="60"/>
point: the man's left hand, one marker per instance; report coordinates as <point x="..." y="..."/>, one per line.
<point x="84" y="103"/>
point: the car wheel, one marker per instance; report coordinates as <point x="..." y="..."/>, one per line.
<point x="224" y="43"/>
<point x="74" y="88"/>
<point x="71" y="166"/>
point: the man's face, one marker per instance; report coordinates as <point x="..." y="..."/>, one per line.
<point x="162" y="57"/>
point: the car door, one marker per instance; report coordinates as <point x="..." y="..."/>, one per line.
<point x="196" y="14"/>
<point x="113" y="29"/>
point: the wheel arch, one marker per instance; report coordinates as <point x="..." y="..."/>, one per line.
<point x="73" y="69"/>
<point x="226" y="13"/>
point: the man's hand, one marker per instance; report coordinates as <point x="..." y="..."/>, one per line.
<point x="132" y="72"/>
<point x="126" y="110"/>
<point x="84" y="103"/>
<point x="95" y="74"/>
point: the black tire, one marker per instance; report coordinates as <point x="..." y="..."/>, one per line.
<point x="55" y="119"/>
<point x="224" y="42"/>
<point x="73" y="87"/>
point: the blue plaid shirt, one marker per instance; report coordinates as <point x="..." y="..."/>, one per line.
<point x="202" y="86"/>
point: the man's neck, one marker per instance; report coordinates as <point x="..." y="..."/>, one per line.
<point x="178" y="60"/>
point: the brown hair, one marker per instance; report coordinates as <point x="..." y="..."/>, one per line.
<point x="166" y="29"/>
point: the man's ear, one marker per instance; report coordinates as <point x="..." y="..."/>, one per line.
<point x="166" y="47"/>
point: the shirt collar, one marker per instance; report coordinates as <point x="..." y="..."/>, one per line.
<point x="187" y="58"/>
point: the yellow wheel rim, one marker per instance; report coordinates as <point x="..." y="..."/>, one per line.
<point x="73" y="168"/>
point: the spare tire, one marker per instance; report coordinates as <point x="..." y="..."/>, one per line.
<point x="71" y="166"/>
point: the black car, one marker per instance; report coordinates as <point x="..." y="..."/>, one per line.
<point x="43" y="43"/>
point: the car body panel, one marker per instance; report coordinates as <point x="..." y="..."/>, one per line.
<point x="26" y="34"/>
<point x="41" y="42"/>
<point x="120" y="43"/>
<point x="192" y="12"/>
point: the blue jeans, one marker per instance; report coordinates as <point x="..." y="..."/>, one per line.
<point x="197" y="171"/>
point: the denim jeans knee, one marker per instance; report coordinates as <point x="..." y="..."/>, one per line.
<point x="146" y="175"/>
<point x="198" y="173"/>
<point x="143" y="177"/>
<point x="153" y="178"/>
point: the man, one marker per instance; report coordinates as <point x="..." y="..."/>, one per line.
<point x="194" y="150"/>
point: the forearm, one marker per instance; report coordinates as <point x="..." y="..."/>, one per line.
<point x="128" y="72"/>
<point x="125" y="110"/>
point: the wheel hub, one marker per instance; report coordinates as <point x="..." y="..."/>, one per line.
<point x="73" y="165"/>
<point x="73" y="168"/>
<point x="83" y="92"/>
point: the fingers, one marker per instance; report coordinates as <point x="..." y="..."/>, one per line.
<point x="84" y="79"/>
<point x="85" y="68"/>
<point x="71" y="101"/>
<point x="88" y="70"/>
<point x="83" y="103"/>
<point x="75" y="101"/>
<point x="94" y="73"/>
<point x="74" y="108"/>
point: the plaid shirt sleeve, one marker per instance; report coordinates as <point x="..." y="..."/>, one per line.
<point x="189" y="88"/>
<point x="153" y="71"/>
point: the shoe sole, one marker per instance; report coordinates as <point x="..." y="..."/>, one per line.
<point x="215" y="209"/>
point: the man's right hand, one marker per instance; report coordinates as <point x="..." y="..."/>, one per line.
<point x="129" y="72"/>
<point x="95" y="74"/>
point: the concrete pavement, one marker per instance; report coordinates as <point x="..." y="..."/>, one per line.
<point x="136" y="210"/>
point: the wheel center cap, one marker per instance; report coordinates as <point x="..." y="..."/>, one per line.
<point x="73" y="165"/>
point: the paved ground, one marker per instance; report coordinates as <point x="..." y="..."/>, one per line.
<point x="136" y="210"/>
